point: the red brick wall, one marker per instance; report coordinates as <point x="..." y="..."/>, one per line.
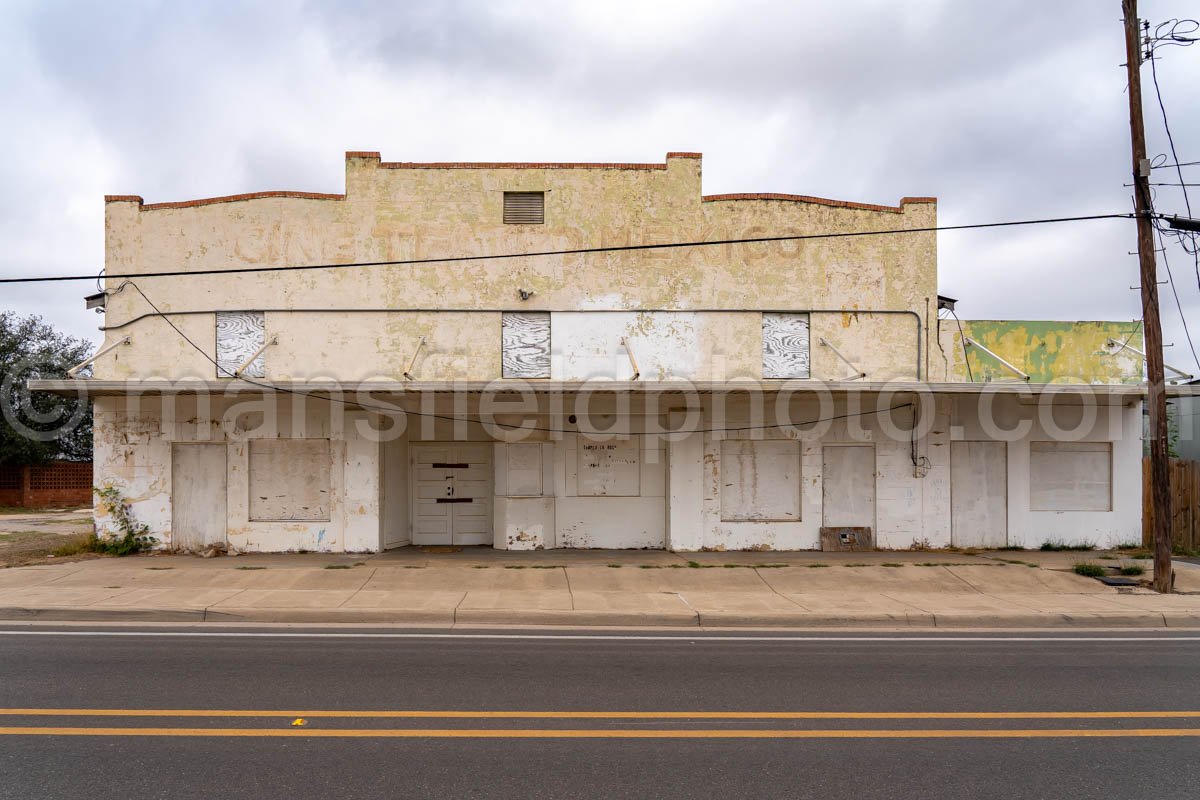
<point x="62" y="483"/>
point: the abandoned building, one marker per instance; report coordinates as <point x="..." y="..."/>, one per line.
<point x="781" y="394"/>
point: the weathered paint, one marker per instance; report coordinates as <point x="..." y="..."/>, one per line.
<point x="656" y="495"/>
<point x="1048" y="351"/>
<point x="692" y="312"/>
<point x="405" y="212"/>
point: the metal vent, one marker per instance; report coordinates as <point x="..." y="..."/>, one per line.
<point x="524" y="208"/>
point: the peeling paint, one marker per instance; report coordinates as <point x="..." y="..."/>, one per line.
<point x="1048" y="351"/>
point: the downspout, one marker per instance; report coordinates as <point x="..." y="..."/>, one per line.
<point x="927" y="337"/>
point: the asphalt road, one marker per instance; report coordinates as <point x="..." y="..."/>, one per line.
<point x="666" y="716"/>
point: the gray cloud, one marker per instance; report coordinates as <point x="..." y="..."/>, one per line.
<point x="1003" y="111"/>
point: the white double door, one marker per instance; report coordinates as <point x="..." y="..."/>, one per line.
<point x="452" y="492"/>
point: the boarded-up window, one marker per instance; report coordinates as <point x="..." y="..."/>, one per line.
<point x="1070" y="476"/>
<point x="524" y="208"/>
<point x="239" y="334"/>
<point x="524" y="469"/>
<point x="608" y="469"/>
<point x="848" y="486"/>
<point x="289" y="479"/>
<point x="760" y="480"/>
<point x="525" y="344"/>
<point x="785" y="345"/>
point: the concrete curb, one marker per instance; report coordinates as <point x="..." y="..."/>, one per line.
<point x="64" y="614"/>
<point x="601" y="618"/>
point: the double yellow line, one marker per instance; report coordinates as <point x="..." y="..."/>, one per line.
<point x="640" y="715"/>
<point x="602" y="733"/>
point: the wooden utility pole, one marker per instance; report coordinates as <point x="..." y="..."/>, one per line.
<point x="1160" y="493"/>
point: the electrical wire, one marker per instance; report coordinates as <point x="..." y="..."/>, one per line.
<point x="1128" y="338"/>
<point x="963" y="339"/>
<point x="1178" y="305"/>
<point x="574" y="251"/>
<point x="393" y="411"/>
<point x="1165" y="165"/>
<point x="1174" y="33"/>
<point x="1158" y="228"/>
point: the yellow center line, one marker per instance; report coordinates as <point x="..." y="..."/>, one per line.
<point x="646" y="715"/>
<point x="491" y="733"/>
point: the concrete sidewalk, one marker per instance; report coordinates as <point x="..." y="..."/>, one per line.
<point x="600" y="588"/>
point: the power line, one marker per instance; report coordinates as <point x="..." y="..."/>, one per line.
<point x="963" y="339"/>
<point x="576" y="251"/>
<point x="393" y="410"/>
<point x="1166" y="165"/>
<point x="1167" y="127"/>
<point x="1177" y="33"/>
<point x="1178" y="305"/>
<point x="1129" y="338"/>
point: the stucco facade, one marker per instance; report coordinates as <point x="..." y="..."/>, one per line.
<point x="661" y="419"/>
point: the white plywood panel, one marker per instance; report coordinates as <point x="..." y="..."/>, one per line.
<point x="1070" y="476"/>
<point x="653" y="468"/>
<point x="979" y="494"/>
<point x="848" y="486"/>
<point x="760" y="480"/>
<point x="239" y="334"/>
<point x="525" y="337"/>
<point x="198" y="495"/>
<point x="524" y="473"/>
<point x="785" y="339"/>
<point x="587" y="345"/>
<point x="289" y="479"/>
<point x="609" y="468"/>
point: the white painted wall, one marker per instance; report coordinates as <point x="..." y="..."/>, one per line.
<point x="1022" y="422"/>
<point x="624" y="522"/>
<point x="133" y="452"/>
<point x="907" y="508"/>
<point x="586" y="345"/>
<point x="394" y="486"/>
<point x="525" y="504"/>
<point x="674" y="491"/>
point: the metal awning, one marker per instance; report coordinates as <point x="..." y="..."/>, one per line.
<point x="106" y="388"/>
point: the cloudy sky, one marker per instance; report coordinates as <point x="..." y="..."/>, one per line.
<point x="1006" y="109"/>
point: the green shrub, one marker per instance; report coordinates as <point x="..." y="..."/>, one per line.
<point x="134" y="536"/>
<point x="1089" y="570"/>
<point x="1132" y="569"/>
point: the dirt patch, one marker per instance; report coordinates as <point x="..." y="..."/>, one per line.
<point x="32" y="537"/>
<point x="25" y="548"/>
<point x="21" y="511"/>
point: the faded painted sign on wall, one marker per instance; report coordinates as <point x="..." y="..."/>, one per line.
<point x="609" y="468"/>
